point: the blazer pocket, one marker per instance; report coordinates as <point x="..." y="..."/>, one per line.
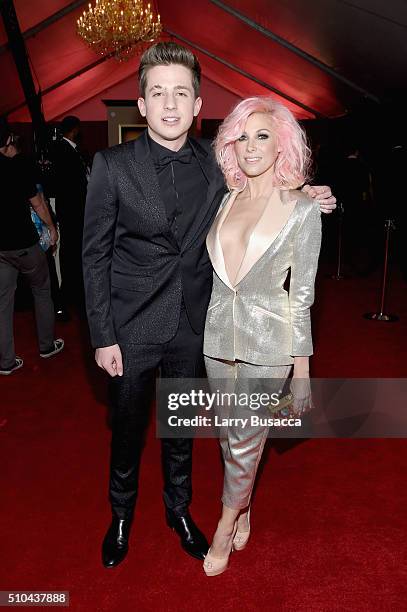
<point x="273" y="315"/>
<point x="131" y="282"/>
<point x="213" y="306"/>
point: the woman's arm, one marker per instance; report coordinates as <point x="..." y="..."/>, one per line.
<point x="301" y="367"/>
<point x="39" y="205"/>
<point x="307" y="244"/>
<point x="303" y="271"/>
<point x="300" y="384"/>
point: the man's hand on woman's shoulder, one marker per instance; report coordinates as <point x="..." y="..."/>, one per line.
<point x="323" y="195"/>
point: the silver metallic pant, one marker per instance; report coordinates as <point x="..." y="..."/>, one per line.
<point x="242" y="446"/>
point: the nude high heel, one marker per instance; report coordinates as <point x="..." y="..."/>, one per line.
<point x="213" y="566"/>
<point x="242" y="537"/>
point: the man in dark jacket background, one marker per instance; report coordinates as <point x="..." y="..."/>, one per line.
<point x="70" y="186"/>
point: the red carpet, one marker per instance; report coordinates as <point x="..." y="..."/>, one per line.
<point x="329" y="519"/>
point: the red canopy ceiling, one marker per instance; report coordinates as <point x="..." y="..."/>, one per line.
<point x="364" y="40"/>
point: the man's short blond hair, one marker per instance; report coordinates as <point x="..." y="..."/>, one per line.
<point x="165" y="54"/>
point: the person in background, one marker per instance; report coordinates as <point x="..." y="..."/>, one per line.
<point x="392" y="163"/>
<point x="70" y="187"/>
<point x="360" y="216"/>
<point x="28" y="168"/>
<point x="21" y="253"/>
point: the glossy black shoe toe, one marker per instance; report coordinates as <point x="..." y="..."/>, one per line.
<point x="116" y="542"/>
<point x="192" y="539"/>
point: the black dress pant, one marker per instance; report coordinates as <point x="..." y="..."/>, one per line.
<point x="70" y="253"/>
<point x="131" y="396"/>
<point x="53" y="277"/>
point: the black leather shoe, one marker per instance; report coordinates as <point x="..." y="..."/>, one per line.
<point x="116" y="542"/>
<point x="192" y="539"/>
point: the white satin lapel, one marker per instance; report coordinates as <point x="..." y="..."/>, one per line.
<point x="213" y="241"/>
<point x="263" y="235"/>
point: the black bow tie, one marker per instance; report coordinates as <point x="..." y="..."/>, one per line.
<point x="184" y="156"/>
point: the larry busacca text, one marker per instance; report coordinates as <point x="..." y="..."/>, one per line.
<point x="240" y="422"/>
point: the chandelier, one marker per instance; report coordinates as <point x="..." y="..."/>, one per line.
<point x="118" y="27"/>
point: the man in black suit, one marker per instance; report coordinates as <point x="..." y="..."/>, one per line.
<point x="71" y="182"/>
<point x="148" y="279"/>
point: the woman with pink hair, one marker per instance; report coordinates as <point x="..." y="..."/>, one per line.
<point x="256" y="331"/>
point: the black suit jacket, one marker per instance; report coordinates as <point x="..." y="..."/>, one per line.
<point x="70" y="184"/>
<point x="135" y="273"/>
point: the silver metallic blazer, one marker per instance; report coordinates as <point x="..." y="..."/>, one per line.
<point x="257" y="320"/>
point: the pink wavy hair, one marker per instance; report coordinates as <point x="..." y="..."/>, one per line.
<point x="293" y="162"/>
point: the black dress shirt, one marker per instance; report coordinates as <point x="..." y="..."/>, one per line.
<point x="183" y="185"/>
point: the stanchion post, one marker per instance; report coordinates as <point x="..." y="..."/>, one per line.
<point x="381" y="315"/>
<point x="339" y="276"/>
